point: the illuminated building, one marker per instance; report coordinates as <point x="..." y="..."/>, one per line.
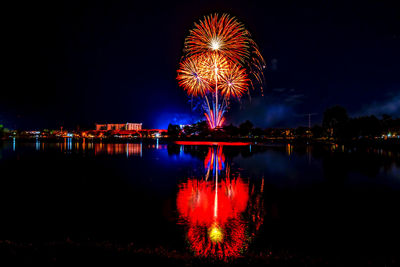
<point x="142" y="133"/>
<point x="119" y="126"/>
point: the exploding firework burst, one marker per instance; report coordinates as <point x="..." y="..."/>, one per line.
<point x="220" y="60"/>
<point x="221" y="34"/>
<point x="234" y="82"/>
<point x="192" y="77"/>
<point x="214" y="66"/>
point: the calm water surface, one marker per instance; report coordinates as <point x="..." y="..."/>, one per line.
<point x="209" y="201"/>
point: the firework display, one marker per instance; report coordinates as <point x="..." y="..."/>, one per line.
<point x="218" y="209"/>
<point x="220" y="62"/>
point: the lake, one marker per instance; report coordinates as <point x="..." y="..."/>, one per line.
<point x="266" y="203"/>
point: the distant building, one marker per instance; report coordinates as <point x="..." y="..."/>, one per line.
<point x="133" y="126"/>
<point x="119" y="126"/>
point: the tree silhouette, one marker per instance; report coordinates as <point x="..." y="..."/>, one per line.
<point x="231" y="130"/>
<point x="245" y="129"/>
<point x="335" y="120"/>
<point x="173" y="130"/>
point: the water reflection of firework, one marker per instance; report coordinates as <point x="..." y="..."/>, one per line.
<point x="216" y="210"/>
<point x="196" y="200"/>
<point x="220" y="62"/>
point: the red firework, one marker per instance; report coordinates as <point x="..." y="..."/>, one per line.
<point x="196" y="201"/>
<point x="216" y="211"/>
<point x="214" y="232"/>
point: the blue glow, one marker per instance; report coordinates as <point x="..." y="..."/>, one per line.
<point x="69" y="143"/>
<point x="176" y="118"/>
<point x="37" y="144"/>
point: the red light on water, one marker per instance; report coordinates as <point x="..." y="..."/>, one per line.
<point x="196" y="201"/>
<point x="215" y="210"/>
<point x="207" y="143"/>
<point x="214" y="232"/>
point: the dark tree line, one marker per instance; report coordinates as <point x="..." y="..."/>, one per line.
<point x="3" y="131"/>
<point x="336" y="124"/>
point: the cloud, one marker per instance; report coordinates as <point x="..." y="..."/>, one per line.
<point x="390" y="106"/>
<point x="279" y="90"/>
<point x="263" y="112"/>
<point x="277" y="115"/>
<point x="274" y="64"/>
<point x="289" y="96"/>
<point x="276" y="109"/>
<point x="294" y="99"/>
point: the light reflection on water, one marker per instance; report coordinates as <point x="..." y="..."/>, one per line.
<point x="213" y="208"/>
<point x="225" y="199"/>
<point x="127" y="149"/>
<point x="286" y="161"/>
<point x="99" y="148"/>
<point x="37" y="144"/>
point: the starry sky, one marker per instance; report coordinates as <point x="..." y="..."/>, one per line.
<point x="75" y="63"/>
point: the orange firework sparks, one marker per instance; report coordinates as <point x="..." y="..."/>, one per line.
<point x="234" y="82"/>
<point x="214" y="66"/>
<point x="220" y="61"/>
<point x="192" y="78"/>
<point x="223" y="34"/>
<point x="227" y="36"/>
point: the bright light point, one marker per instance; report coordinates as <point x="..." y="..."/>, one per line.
<point x="215" y="44"/>
<point x="216" y="234"/>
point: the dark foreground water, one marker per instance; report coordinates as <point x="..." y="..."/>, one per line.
<point x="168" y="203"/>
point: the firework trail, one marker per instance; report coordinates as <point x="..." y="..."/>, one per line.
<point x="220" y="62"/>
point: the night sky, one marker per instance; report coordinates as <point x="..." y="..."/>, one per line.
<point x="73" y="63"/>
